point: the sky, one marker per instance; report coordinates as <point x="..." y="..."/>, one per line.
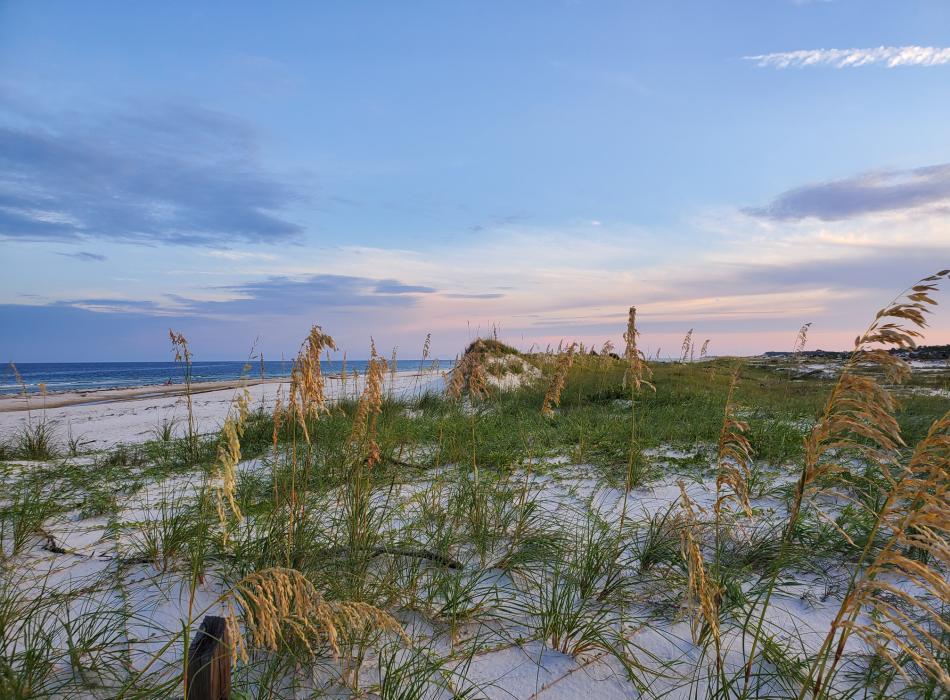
<point x="240" y="171"/>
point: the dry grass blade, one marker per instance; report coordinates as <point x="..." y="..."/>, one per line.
<point x="859" y="415"/>
<point x="455" y="379"/>
<point x="702" y="593"/>
<point x="183" y="357"/>
<point x="858" y="418"/>
<point x="281" y="605"/>
<point x="907" y="618"/>
<point x="552" y="397"/>
<point x="801" y="340"/>
<point x="637" y="372"/>
<point x="24" y="392"/>
<point x="734" y="455"/>
<point x="307" y="399"/>
<point x="229" y="454"/>
<point x="686" y="349"/>
<point x="369" y="406"/>
<point x="278" y="423"/>
<point x="469" y="372"/>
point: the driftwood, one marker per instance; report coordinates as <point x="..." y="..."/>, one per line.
<point x="400" y="463"/>
<point x="51" y="545"/>
<point x="435" y="557"/>
<point x="426" y="554"/>
<point x="209" y="662"/>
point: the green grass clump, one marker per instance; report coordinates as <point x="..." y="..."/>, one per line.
<point x="492" y="347"/>
<point x="36" y="441"/>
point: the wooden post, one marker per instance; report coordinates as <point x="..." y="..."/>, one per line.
<point x="209" y="662"/>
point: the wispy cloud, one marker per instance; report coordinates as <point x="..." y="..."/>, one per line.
<point x="749" y="289"/>
<point x="158" y="174"/>
<point x="106" y="305"/>
<point x="397" y="287"/>
<point x="221" y="319"/>
<point x="880" y="191"/>
<point x="307" y="294"/>
<point x="84" y="256"/>
<point x="497" y="221"/>
<point x="486" y="295"/>
<point x="889" y="56"/>
<point x="271" y="296"/>
<point x="240" y="255"/>
<point x="310" y="294"/>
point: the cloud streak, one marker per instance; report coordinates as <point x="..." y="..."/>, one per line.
<point x="271" y="296"/>
<point x="311" y="294"/>
<point x="85" y="256"/>
<point x="888" y="56"/>
<point x="758" y="276"/>
<point x="880" y="191"/>
<point x="165" y="174"/>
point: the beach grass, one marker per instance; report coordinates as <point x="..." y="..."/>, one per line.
<point x="696" y="528"/>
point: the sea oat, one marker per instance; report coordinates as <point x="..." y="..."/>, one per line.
<point x="454" y="380"/>
<point x="369" y="406"/>
<point x="553" y="395"/>
<point x="392" y="372"/>
<point x="477" y="379"/>
<point x="637" y="372"/>
<point x="686" y="350"/>
<point x="734" y="454"/>
<point x="801" y="339"/>
<point x="183" y="357"/>
<point x="24" y="392"/>
<point x="606" y="352"/>
<point x="278" y="421"/>
<point x="229" y="455"/>
<point x="859" y="416"/>
<point x="702" y="594"/>
<point x="281" y="605"/>
<point x="469" y="372"/>
<point x="905" y="619"/>
<point x="307" y="398"/>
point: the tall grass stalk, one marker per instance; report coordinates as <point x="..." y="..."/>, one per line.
<point x="917" y="516"/>
<point x="636" y="376"/>
<point x="183" y="357"/>
<point x="858" y="417"/>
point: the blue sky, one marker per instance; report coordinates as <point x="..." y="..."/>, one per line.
<point x="239" y="171"/>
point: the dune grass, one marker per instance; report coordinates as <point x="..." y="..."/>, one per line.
<point x="676" y="529"/>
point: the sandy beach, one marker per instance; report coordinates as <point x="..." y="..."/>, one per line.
<point x="101" y="419"/>
<point x="76" y="398"/>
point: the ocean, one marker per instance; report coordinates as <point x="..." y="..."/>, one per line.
<point x="84" y="376"/>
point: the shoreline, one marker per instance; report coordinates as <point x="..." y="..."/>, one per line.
<point x="79" y="397"/>
<point x="101" y="418"/>
<point x="36" y="401"/>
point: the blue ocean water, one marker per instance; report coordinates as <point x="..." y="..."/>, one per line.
<point x="82" y="376"/>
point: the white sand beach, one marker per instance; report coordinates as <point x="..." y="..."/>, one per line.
<point x="104" y="418"/>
